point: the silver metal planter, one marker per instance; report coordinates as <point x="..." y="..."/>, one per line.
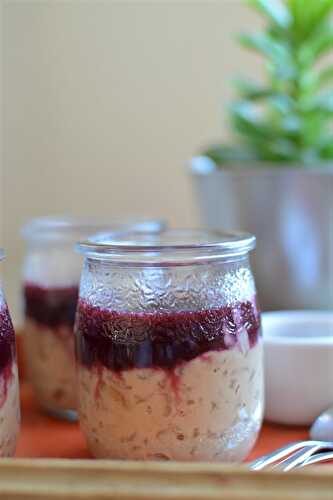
<point x="290" y="210"/>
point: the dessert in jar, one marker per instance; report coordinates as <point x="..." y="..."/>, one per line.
<point x="168" y="345"/>
<point x="51" y="275"/>
<point x="9" y="388"/>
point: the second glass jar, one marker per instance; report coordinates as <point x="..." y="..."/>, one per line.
<point x="168" y="347"/>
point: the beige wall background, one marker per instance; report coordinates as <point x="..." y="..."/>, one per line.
<point x="105" y="101"/>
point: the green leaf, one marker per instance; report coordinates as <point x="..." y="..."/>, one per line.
<point x="324" y="103"/>
<point x="325" y="76"/>
<point x="221" y="154"/>
<point x="292" y="124"/>
<point x="280" y="60"/>
<point x="246" y="120"/>
<point x="254" y="91"/>
<point x="326" y="148"/>
<point x="265" y="45"/>
<point x="299" y="15"/>
<point x="308" y="15"/>
<point x="275" y="10"/>
<point x="307" y="85"/>
<point x="282" y="103"/>
<point x="320" y="12"/>
<point x="284" y="149"/>
<point x="321" y="104"/>
<point x="316" y="46"/>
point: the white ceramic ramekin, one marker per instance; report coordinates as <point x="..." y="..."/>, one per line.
<point x="298" y="349"/>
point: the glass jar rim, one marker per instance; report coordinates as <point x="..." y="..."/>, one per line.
<point x="169" y="246"/>
<point x="74" y="228"/>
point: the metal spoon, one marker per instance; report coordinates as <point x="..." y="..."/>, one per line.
<point x="303" y="453"/>
<point x="292" y="455"/>
<point x="322" y="427"/>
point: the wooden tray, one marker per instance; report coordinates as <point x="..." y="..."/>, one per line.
<point x="53" y="463"/>
<point x="99" y="479"/>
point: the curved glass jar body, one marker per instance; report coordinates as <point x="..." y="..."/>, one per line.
<point x="9" y="387"/>
<point x="169" y="350"/>
<point x="51" y="275"/>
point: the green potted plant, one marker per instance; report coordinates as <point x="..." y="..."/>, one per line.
<point x="276" y="177"/>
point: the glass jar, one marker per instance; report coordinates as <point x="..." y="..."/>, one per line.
<point x="9" y="387"/>
<point x="51" y="275"/>
<point x="168" y="346"/>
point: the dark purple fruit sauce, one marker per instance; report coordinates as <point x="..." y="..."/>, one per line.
<point x="7" y="341"/>
<point x="120" y="340"/>
<point x="51" y="307"/>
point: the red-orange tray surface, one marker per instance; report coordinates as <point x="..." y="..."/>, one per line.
<point x="44" y="436"/>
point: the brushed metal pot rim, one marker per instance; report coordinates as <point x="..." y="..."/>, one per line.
<point x="204" y="166"/>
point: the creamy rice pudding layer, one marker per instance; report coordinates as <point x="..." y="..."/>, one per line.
<point x="209" y="409"/>
<point x="9" y="410"/>
<point x="51" y="365"/>
<point x="49" y="344"/>
<point x="9" y="390"/>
